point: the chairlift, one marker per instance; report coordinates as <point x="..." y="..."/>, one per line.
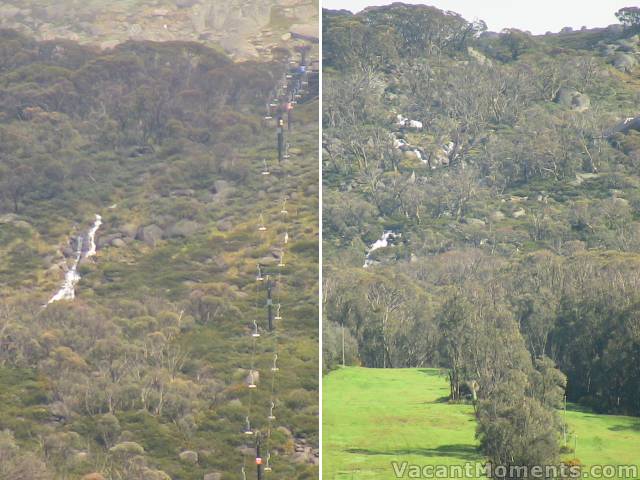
<point x="261" y="226"/>
<point x="271" y="415"/>
<point x="255" y="333"/>
<point x="267" y="467"/>
<point x="281" y="264"/>
<point x="278" y="316"/>
<point x="275" y="368"/>
<point x="259" y="277"/>
<point x="244" y="474"/>
<point x="252" y="383"/>
<point x="247" y="428"/>
<point x="284" y="207"/>
<point x="265" y="168"/>
<point x="286" y="237"/>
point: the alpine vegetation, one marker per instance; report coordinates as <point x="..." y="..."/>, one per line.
<point x="501" y="169"/>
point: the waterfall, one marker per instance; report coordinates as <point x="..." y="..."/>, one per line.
<point x="380" y="243"/>
<point x="92" y="237"/>
<point x="72" y="277"/>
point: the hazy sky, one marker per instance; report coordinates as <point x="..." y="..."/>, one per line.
<point x="537" y="16"/>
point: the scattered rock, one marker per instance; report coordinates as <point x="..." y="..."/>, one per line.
<point x="573" y="99"/>
<point x="189" y="456"/>
<point x="305" y="454"/>
<point x="624" y="62"/>
<point x="631" y="123"/>
<point x="128" y="230"/>
<point x="519" y="213"/>
<point x="497" y="216"/>
<point x="118" y="243"/>
<point x="151" y="234"/>
<point x="105" y="240"/>
<point x="184" y="228"/>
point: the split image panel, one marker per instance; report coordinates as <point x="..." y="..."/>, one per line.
<point x="159" y="224"/>
<point x="480" y="232"/>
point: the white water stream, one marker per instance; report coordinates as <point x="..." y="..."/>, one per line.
<point x="72" y="277"/>
<point x="382" y="242"/>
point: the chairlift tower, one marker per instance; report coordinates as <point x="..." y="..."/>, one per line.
<point x="269" y="304"/>
<point x="258" y="457"/>
<point x="280" y="132"/>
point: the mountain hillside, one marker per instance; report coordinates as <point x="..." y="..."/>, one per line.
<point x="133" y="192"/>
<point x="482" y="214"/>
<point x="244" y="29"/>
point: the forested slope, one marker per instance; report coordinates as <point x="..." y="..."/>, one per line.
<point x="144" y="374"/>
<point x="482" y="213"/>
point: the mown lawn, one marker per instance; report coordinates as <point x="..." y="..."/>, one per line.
<point x="372" y="417"/>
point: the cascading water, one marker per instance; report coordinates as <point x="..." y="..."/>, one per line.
<point x="92" y="237"/>
<point x="380" y="243"/>
<point x="72" y="277"/>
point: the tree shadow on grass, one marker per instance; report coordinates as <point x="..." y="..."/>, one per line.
<point x="444" y="399"/>
<point x="633" y="427"/>
<point x="433" y="372"/>
<point x="460" y="451"/>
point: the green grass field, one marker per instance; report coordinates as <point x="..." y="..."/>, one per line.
<point x="372" y="417"/>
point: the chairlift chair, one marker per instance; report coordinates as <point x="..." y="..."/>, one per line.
<point x="271" y="415"/>
<point x="284" y="207"/>
<point x="267" y="467"/>
<point x="278" y="316"/>
<point x="261" y="226"/>
<point x="275" y="368"/>
<point x="265" y="168"/>
<point x="259" y="277"/>
<point x="252" y="383"/>
<point x="255" y="333"/>
<point x="247" y="428"/>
